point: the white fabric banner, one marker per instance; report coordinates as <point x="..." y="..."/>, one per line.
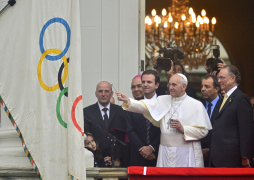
<point x="40" y="83"/>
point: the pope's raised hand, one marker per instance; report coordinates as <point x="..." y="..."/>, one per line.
<point x="122" y="97"/>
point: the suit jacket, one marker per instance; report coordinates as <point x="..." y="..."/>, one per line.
<point x="206" y="141"/>
<point x="232" y="135"/>
<point x="117" y="127"/>
<point x="136" y="131"/>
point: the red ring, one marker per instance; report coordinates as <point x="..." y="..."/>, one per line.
<point x="73" y="114"/>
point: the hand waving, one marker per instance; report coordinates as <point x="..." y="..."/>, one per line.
<point x="122" y="97"/>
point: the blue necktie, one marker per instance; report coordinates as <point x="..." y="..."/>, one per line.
<point x="209" y="109"/>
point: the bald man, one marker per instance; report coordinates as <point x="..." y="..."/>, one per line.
<point x="109" y="117"/>
<point x="136" y="87"/>
<point x="183" y="121"/>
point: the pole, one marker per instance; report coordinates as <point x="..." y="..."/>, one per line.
<point x="10" y="2"/>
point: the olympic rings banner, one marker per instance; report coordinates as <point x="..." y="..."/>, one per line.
<point x="40" y="83"/>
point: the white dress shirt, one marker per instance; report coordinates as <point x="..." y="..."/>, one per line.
<point x="102" y="112"/>
<point x="231" y="91"/>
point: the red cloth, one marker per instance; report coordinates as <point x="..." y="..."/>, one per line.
<point x="126" y="139"/>
<point x="136" y="173"/>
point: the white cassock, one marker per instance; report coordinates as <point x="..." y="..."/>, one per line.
<point x="176" y="149"/>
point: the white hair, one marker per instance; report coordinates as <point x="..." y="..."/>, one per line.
<point x="183" y="78"/>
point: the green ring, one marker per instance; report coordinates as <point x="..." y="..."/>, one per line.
<point x="58" y="107"/>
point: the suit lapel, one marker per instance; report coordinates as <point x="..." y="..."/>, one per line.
<point x="143" y="120"/>
<point x="98" y="116"/>
<point x="229" y="100"/>
<point x="216" y="110"/>
<point x="112" y="113"/>
<point x="204" y="103"/>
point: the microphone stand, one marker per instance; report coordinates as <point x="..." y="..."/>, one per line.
<point x="10" y="2"/>
<point x="111" y="137"/>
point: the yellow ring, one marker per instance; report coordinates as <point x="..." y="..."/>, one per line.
<point x="44" y="86"/>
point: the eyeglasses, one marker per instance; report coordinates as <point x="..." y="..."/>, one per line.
<point x="105" y="91"/>
<point x="221" y="78"/>
<point x="137" y="86"/>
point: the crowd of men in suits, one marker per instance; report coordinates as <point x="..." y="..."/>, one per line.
<point x="229" y="144"/>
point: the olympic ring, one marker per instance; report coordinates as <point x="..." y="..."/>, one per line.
<point x="61" y="55"/>
<point x="52" y="88"/>
<point x="59" y="77"/>
<point x="63" y="22"/>
<point x="58" y="107"/>
<point x="73" y="114"/>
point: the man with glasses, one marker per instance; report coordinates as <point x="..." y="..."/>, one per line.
<point x="143" y="136"/>
<point x="109" y="117"/>
<point x="232" y="139"/>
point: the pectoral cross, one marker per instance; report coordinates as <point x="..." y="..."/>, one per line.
<point x="169" y="122"/>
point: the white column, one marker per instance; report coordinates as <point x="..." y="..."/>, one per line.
<point x="111" y="42"/>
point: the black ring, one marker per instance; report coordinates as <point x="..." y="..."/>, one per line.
<point x="60" y="76"/>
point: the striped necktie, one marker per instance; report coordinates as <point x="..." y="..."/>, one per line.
<point x="224" y="100"/>
<point x="148" y="125"/>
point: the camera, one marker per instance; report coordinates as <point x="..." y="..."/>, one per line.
<point x="170" y="52"/>
<point x="212" y="63"/>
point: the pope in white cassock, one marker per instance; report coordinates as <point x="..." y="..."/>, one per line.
<point x="183" y="121"/>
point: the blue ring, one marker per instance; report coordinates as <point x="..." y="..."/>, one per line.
<point x="63" y="22"/>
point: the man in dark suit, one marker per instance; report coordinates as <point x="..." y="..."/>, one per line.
<point x="144" y="137"/>
<point x="209" y="89"/>
<point x="109" y="117"/>
<point x="232" y="138"/>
